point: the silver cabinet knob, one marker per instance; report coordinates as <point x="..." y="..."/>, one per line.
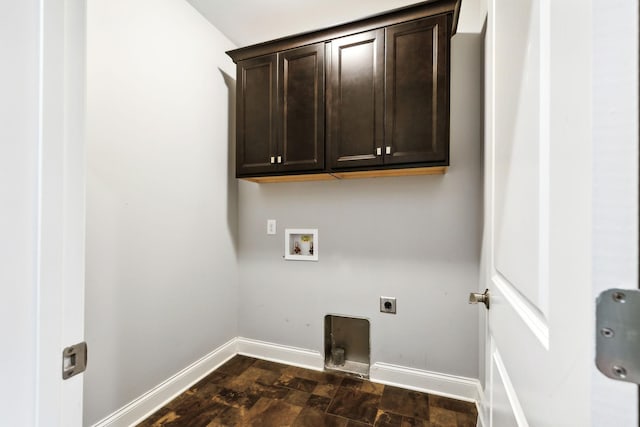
<point x="273" y="160"/>
<point x="475" y="298"/>
<point x="379" y="151"/>
<point x="388" y="150"/>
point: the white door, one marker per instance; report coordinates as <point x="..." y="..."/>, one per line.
<point x="42" y="224"/>
<point x="542" y="130"/>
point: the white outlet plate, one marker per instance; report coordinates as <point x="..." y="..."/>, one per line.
<point x="388" y="305"/>
<point x="271" y="226"/>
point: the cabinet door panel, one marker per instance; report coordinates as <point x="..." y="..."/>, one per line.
<point x="417" y="104"/>
<point x="301" y="95"/>
<point x="356" y="99"/>
<point x="256" y="109"/>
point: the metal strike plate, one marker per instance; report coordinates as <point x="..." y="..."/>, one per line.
<point x="74" y="360"/>
<point x="618" y="334"/>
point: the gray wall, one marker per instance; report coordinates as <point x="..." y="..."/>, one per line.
<point x="172" y="238"/>
<point x="414" y="238"/>
<point x="161" y="285"/>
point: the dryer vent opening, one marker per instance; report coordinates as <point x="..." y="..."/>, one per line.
<point x="346" y="345"/>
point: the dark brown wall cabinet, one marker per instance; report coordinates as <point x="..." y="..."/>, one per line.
<point x="386" y="104"/>
<point x="356" y="131"/>
<point x="280" y="112"/>
<point x="256" y="105"/>
<point x="417" y="92"/>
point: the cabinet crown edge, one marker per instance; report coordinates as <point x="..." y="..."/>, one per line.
<point x="395" y="16"/>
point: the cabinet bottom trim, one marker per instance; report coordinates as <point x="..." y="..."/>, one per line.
<point x="437" y="170"/>
<point x="433" y="170"/>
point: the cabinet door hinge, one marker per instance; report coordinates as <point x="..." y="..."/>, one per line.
<point x="618" y="334"/>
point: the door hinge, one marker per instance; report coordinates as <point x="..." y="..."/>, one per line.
<point x="74" y="360"/>
<point x="618" y="334"/>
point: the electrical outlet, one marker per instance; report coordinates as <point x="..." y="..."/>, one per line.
<point x="271" y="226"/>
<point x="388" y="305"/>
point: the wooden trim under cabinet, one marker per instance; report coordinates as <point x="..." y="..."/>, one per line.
<point x="290" y="178"/>
<point x="433" y="170"/>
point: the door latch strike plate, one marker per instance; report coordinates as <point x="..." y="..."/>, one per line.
<point x="618" y="334"/>
<point x="74" y="360"/>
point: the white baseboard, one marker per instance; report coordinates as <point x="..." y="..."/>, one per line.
<point x="281" y="353"/>
<point x="460" y="388"/>
<point x="481" y="404"/>
<point x="140" y="408"/>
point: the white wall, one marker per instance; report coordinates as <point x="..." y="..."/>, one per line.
<point x="161" y="286"/>
<point x="414" y="238"/>
<point x="19" y="105"/>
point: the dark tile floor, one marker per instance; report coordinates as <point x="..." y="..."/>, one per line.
<point x="252" y="392"/>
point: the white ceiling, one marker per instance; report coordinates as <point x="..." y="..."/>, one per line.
<point x="246" y="22"/>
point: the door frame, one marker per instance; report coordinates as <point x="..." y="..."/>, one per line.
<point x="59" y="305"/>
<point x="616" y="132"/>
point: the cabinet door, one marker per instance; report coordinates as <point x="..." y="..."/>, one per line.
<point x="301" y="99"/>
<point x="417" y="92"/>
<point x="356" y="100"/>
<point x="256" y="109"/>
